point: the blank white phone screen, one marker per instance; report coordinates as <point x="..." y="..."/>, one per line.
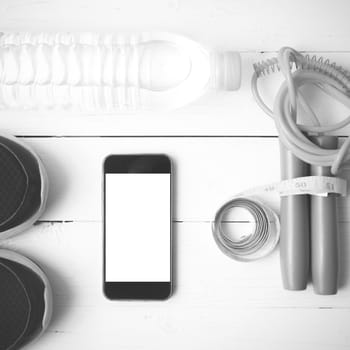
<point x="137" y="227"/>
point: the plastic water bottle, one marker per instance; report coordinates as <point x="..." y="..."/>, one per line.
<point x="88" y="71"/>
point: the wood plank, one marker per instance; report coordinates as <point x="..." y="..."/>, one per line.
<point x="71" y="253"/>
<point x="224" y="113"/>
<point x="217" y="301"/>
<point x="204" y="329"/>
<point x="248" y="25"/>
<point x="207" y="172"/>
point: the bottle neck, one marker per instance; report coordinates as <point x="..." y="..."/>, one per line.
<point x="225" y="70"/>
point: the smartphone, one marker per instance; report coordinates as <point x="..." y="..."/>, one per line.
<point x="137" y="227"/>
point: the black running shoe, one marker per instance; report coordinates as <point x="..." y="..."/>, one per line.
<point x="25" y="301"/>
<point x="23" y="186"/>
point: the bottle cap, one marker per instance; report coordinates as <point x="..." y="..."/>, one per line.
<point x="226" y="70"/>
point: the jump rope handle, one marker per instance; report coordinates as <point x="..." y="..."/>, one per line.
<point x="295" y="227"/>
<point x="324" y="230"/>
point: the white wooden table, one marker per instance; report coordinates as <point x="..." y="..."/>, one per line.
<point x="220" y="146"/>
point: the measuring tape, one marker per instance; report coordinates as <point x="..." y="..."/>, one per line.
<point x="314" y="185"/>
<point x="265" y="236"/>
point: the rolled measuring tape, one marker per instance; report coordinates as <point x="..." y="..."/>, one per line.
<point x="264" y="238"/>
<point x="260" y="242"/>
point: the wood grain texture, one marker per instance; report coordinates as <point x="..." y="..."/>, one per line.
<point x="249" y="25"/>
<point x="207" y="172"/>
<point x="75" y="171"/>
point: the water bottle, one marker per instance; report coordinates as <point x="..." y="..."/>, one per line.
<point x="129" y="72"/>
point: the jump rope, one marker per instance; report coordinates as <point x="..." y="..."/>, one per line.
<point x="308" y="224"/>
